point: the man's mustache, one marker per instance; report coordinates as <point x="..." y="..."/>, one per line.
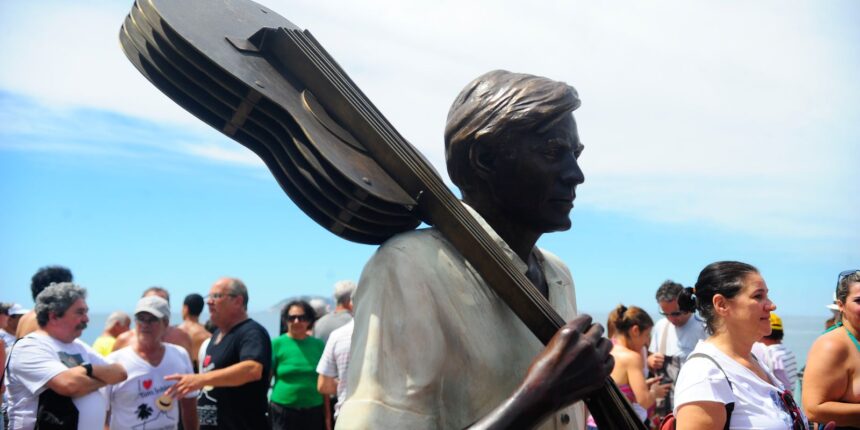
<point x="81" y="326"/>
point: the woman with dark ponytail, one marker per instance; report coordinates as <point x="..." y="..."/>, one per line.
<point x="630" y="331"/>
<point x="722" y="385"/>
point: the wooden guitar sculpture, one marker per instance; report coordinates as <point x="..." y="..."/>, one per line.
<point x="269" y="85"/>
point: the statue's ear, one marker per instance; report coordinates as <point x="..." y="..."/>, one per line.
<point x="482" y="158"/>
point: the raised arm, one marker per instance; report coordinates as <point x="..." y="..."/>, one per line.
<point x="575" y="363"/>
<point x="232" y="376"/>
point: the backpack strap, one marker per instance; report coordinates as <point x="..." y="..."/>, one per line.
<point x="729" y="406"/>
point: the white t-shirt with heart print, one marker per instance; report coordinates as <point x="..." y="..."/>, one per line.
<point x="137" y="402"/>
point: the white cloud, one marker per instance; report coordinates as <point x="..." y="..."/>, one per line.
<point x="742" y="115"/>
<point x="228" y="154"/>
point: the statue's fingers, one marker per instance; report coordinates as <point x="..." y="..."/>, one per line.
<point x="594" y="333"/>
<point x="581" y="323"/>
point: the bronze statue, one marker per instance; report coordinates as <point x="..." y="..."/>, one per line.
<point x="433" y="345"/>
<point x="272" y="87"/>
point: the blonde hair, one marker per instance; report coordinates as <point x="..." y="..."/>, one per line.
<point x="622" y="319"/>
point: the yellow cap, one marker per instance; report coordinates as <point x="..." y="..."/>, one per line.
<point x="775" y="322"/>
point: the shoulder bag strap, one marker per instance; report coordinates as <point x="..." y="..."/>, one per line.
<point x="663" y="336"/>
<point x="9" y="357"/>
<point x="729" y="406"/>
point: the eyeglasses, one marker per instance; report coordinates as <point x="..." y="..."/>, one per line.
<point x="142" y="320"/>
<point x="294" y="318"/>
<point x="793" y="410"/>
<point x="216" y="296"/>
<point x="674" y="314"/>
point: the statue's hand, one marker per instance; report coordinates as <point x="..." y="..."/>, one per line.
<point x="575" y="363"/>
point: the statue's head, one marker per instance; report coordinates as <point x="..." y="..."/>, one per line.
<point x="511" y="146"/>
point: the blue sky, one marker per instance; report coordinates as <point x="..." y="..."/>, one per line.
<point x="713" y="131"/>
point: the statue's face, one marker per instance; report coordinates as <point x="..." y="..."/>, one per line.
<point x="535" y="177"/>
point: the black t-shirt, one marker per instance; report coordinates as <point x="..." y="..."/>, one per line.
<point x="245" y="406"/>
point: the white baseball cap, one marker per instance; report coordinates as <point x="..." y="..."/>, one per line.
<point x="154" y="305"/>
<point x="17" y="309"/>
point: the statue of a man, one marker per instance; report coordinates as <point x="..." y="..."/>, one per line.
<point x="433" y="345"/>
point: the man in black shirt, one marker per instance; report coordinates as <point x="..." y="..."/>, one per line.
<point x="234" y="378"/>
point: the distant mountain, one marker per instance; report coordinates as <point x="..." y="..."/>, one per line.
<point x="313" y="300"/>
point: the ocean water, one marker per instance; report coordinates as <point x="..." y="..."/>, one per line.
<point x="800" y="331"/>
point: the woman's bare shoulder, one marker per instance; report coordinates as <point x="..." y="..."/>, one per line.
<point x="831" y="346"/>
<point x="626" y="357"/>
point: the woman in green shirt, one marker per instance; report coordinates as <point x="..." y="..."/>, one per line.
<point x="295" y="401"/>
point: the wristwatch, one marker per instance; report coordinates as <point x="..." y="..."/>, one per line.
<point x="89" y="368"/>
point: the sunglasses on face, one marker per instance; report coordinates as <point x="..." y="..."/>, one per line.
<point x="793" y="410"/>
<point x="673" y="314"/>
<point x="294" y="318"/>
<point x="145" y="320"/>
<point x="217" y="296"/>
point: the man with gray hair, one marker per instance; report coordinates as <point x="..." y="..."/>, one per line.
<point x="52" y="367"/>
<point x="116" y="324"/>
<point x="334" y="364"/>
<point x="433" y="345"/>
<point x="342" y="312"/>
<point x="672" y="339"/>
<point x="234" y="379"/>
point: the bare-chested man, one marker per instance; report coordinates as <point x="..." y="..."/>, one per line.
<point x="44" y="277"/>
<point x="192" y="306"/>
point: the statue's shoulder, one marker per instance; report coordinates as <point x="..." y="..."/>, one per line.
<point x="415" y="241"/>
<point x="418" y="254"/>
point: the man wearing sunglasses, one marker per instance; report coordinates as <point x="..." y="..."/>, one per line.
<point x="672" y="339"/>
<point x="139" y="401"/>
<point x="234" y="379"/>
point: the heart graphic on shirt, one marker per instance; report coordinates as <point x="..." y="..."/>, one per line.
<point x="147" y="384"/>
<point x="207" y="360"/>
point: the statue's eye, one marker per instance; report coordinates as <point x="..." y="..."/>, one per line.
<point x="555" y="148"/>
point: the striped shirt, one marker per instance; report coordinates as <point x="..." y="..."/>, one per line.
<point x="335" y="360"/>
<point x="783" y="363"/>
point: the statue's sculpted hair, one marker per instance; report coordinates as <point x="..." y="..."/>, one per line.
<point x="497" y="103"/>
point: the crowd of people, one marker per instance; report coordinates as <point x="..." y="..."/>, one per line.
<point x="225" y="374"/>
<point x="714" y="360"/>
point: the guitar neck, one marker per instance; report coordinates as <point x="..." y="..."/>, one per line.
<point x="300" y="54"/>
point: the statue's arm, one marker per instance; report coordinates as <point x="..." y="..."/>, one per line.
<point x="575" y="363"/>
